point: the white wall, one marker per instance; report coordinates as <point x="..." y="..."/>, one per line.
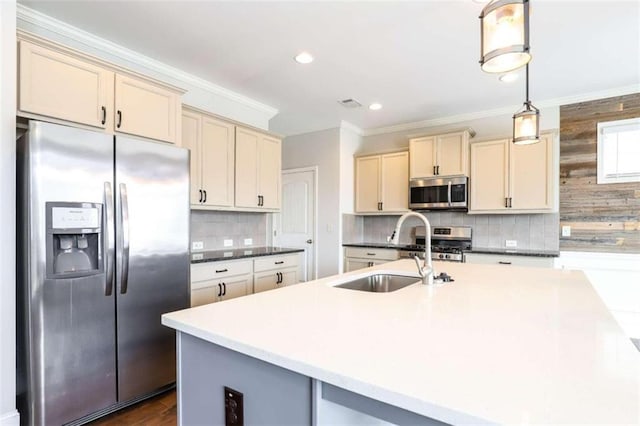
<point x="486" y="128"/>
<point x="350" y="142"/>
<point x="8" y="413"/>
<point x="321" y="149"/>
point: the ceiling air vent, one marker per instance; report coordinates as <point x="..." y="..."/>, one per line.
<point x="350" y="103"/>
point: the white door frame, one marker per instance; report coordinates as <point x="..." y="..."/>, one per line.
<point x="313" y="169"/>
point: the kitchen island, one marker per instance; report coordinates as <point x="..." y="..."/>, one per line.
<point x="498" y="345"/>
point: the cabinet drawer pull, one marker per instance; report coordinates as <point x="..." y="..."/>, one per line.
<point x="504" y="263"/>
<point x="280" y="262"/>
<point x="224" y="289"/>
<point x="104" y="114"/>
<point x="371" y="254"/>
<point x="221" y="270"/>
<point x="119" y="113"/>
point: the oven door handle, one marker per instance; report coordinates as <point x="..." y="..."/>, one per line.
<point x="449" y="193"/>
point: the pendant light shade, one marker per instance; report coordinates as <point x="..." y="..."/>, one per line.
<point x="504" y="35"/>
<point x="526" y="122"/>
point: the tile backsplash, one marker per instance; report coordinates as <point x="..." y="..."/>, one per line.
<point x="213" y="227"/>
<point x="531" y="231"/>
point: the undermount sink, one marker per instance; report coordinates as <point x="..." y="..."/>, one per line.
<point x="379" y="283"/>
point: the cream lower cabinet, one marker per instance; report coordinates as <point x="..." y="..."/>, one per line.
<point x="275" y="271"/>
<point x="217" y="281"/>
<point x="64" y="85"/>
<point x="508" y="178"/>
<point x="211" y="142"/>
<point x="439" y="155"/>
<point x="509" y="259"/>
<point x="257" y="170"/>
<point x="382" y="183"/>
<point x="362" y="257"/>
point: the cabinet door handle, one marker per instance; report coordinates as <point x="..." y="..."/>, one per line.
<point x="504" y="263"/>
<point x="119" y="113"/>
<point x="205" y="195"/>
<point x="381" y="205"/>
<point x="279" y="262"/>
<point x="281" y="278"/>
<point x="218" y="271"/>
<point x="371" y="254"/>
<point x="506" y="202"/>
<point x="200" y="191"/>
<point x="104" y="114"/>
<point x="438" y="170"/>
<point x="510" y="200"/>
<point x="219" y="290"/>
<point x="262" y="201"/>
<point x="224" y="289"/>
<point x="434" y="170"/>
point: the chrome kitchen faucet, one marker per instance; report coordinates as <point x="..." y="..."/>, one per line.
<point x="426" y="270"/>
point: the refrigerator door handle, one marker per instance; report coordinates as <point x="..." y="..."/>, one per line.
<point x="124" y="214"/>
<point x="110" y="238"/>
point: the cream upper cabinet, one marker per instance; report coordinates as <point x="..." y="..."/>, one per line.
<point x="367" y="184"/>
<point x="211" y="142"/>
<point x="68" y="86"/>
<point x="257" y="171"/>
<point x="489" y="185"/>
<point x="56" y="85"/>
<point x="512" y="178"/>
<point x="191" y="139"/>
<point x="218" y="162"/>
<point x="382" y="183"/>
<point x="145" y="109"/>
<point x="439" y="155"/>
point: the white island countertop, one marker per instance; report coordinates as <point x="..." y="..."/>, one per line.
<point x="498" y="345"/>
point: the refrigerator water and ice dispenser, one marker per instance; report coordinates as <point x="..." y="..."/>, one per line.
<point x="74" y="239"/>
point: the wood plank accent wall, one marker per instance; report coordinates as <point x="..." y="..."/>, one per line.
<point x="604" y="217"/>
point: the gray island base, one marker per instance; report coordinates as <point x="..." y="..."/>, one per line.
<point x="272" y="395"/>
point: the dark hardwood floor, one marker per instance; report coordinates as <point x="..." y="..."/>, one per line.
<point x="160" y="410"/>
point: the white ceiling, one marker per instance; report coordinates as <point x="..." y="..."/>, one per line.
<point x="419" y="59"/>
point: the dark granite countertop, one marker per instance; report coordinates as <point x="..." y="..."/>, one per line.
<point x="407" y="247"/>
<point x="515" y="252"/>
<point x="241" y="253"/>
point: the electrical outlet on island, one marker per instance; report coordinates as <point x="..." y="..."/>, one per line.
<point x="197" y="245"/>
<point x="511" y="243"/>
<point x="248" y="241"/>
<point x="228" y="243"/>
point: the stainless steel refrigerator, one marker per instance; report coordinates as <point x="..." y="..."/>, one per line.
<point x="103" y="249"/>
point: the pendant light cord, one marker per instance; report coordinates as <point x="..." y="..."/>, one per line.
<point x="527" y="84"/>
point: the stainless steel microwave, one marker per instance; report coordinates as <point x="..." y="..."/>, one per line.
<point x="441" y="193"/>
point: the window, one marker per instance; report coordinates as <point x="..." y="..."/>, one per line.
<point x="619" y="151"/>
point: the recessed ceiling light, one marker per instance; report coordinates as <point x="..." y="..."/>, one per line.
<point x="375" y="106"/>
<point x="509" y="77"/>
<point x="304" y="58"/>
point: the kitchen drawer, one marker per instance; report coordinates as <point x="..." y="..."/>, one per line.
<point x="215" y="270"/>
<point x="372" y="253"/>
<point x="268" y="263"/>
<point x="507" y="259"/>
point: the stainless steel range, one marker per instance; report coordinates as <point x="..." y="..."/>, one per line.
<point x="448" y="243"/>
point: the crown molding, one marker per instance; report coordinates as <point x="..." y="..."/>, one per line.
<point x="45" y="22"/>
<point x="548" y="103"/>
<point x="352" y="127"/>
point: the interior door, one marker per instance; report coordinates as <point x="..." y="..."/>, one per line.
<point x="152" y="220"/>
<point x="295" y="225"/>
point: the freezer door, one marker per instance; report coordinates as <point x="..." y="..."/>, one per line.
<point x="66" y="318"/>
<point x="152" y="274"/>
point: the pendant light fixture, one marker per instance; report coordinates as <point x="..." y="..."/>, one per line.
<point x="526" y="122"/>
<point x="504" y="35"/>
